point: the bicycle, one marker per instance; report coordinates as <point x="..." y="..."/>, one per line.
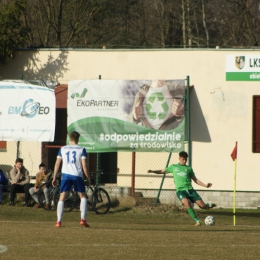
<point x="54" y="195"/>
<point x="99" y="199"/>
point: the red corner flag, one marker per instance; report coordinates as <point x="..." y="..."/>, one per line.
<point x="234" y="153"/>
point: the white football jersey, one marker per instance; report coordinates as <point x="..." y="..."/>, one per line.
<point x="71" y="156"/>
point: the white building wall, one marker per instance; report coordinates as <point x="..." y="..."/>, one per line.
<point x="221" y="111"/>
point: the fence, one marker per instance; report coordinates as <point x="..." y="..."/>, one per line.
<point x="124" y="172"/>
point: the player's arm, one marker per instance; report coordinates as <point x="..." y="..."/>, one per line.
<point x="56" y="169"/>
<point x="208" y="185"/>
<point x="85" y="169"/>
<point x="157" y="171"/>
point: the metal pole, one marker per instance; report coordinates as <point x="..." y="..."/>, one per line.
<point x="234" y="193"/>
<point x="17" y="149"/>
<point x="188" y="119"/>
<point x="133" y="175"/>
<point x="18" y="142"/>
<point x="98" y="155"/>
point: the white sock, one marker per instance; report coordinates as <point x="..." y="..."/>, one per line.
<point x="83" y="208"/>
<point x="60" y="208"/>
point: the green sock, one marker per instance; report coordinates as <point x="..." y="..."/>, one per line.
<point x="192" y="214"/>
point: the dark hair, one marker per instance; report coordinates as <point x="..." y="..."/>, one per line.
<point x="42" y="165"/>
<point x="19" y="160"/>
<point x="74" y="136"/>
<point x="183" y="154"/>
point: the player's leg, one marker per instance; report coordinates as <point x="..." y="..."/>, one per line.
<point x="201" y="204"/>
<point x="198" y="200"/>
<point x="83" y="205"/>
<point x="191" y="211"/>
<point x="60" y="208"/>
<point x="65" y="186"/>
<point x="79" y="186"/>
<point x="195" y="197"/>
<point x="184" y="197"/>
<point x="83" y="209"/>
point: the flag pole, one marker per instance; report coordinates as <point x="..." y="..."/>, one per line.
<point x="234" y="193"/>
<point x="234" y="158"/>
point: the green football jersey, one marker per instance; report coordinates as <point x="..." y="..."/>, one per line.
<point x="182" y="176"/>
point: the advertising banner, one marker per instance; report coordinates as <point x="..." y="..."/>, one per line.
<point x="243" y="67"/>
<point x="27" y="112"/>
<point x="127" y="115"/>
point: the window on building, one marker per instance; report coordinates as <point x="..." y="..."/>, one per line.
<point x="256" y="124"/>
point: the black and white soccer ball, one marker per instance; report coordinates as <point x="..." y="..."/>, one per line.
<point x="210" y="221"/>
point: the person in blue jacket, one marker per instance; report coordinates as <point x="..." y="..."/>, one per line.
<point x="3" y="183"/>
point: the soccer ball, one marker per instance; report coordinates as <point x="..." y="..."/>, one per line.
<point x="209" y="221"/>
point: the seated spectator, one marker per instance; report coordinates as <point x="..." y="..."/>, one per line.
<point x="20" y="182"/>
<point x="41" y="178"/>
<point x="3" y="183"/>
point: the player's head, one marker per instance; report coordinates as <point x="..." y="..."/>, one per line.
<point x="183" y="156"/>
<point x="74" y="136"/>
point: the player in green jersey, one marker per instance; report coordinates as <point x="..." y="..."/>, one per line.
<point x="182" y="175"/>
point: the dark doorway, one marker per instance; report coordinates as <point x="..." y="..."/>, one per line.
<point x="109" y="166"/>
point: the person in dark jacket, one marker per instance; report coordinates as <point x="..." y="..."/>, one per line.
<point x="20" y="182"/>
<point x="3" y="183"/>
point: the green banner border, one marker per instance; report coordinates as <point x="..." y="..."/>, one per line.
<point x="242" y="76"/>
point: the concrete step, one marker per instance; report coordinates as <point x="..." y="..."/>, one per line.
<point x="141" y="201"/>
<point x="138" y="194"/>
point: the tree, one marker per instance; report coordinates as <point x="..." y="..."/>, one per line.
<point x="127" y="24"/>
<point x="60" y="23"/>
<point x="12" y="33"/>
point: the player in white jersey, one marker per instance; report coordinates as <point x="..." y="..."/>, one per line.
<point x="74" y="165"/>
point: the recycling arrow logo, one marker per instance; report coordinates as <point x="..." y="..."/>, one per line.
<point x="156" y="97"/>
<point x="78" y="95"/>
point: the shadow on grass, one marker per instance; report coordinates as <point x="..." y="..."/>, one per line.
<point x="225" y="212"/>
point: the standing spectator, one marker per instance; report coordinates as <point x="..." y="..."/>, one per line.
<point x="74" y="164"/>
<point x="20" y="182"/>
<point x="41" y="178"/>
<point x="3" y="183"/>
